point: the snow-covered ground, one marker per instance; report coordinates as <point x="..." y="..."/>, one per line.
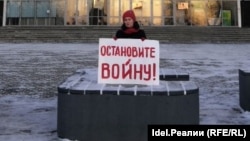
<point x="30" y="74"/>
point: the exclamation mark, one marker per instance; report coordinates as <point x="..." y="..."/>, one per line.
<point x="154" y="71"/>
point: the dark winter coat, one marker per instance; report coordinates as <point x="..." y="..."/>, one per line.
<point x="137" y="35"/>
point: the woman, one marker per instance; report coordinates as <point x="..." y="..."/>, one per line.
<point x="130" y="27"/>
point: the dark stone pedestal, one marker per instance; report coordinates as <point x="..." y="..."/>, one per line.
<point x="93" y="112"/>
<point x="244" y="89"/>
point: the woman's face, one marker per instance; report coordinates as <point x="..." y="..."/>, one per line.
<point x="129" y="22"/>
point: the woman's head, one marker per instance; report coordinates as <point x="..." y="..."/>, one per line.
<point x="129" y="18"/>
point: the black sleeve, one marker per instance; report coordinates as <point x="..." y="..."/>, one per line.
<point x="118" y="34"/>
<point x="143" y="34"/>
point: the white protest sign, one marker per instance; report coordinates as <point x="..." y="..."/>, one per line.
<point x="128" y="61"/>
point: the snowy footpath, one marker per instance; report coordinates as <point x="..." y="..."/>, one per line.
<point x="30" y="74"/>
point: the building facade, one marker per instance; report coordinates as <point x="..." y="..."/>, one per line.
<point x="109" y="12"/>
